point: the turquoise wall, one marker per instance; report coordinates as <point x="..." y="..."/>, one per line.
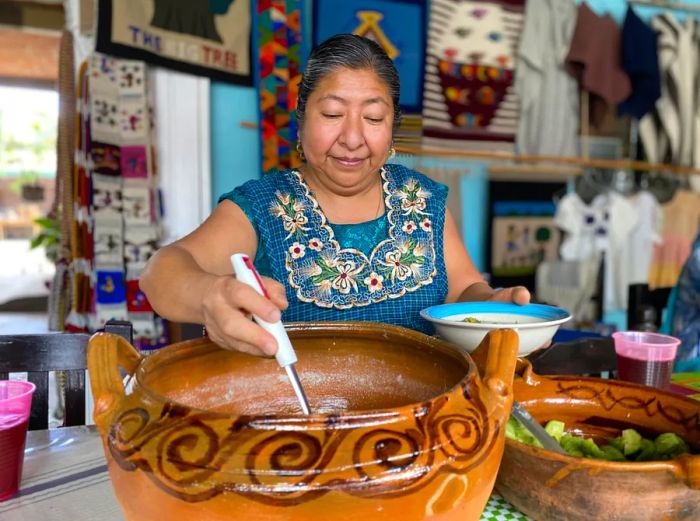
<point x="618" y="8"/>
<point x="235" y="151"/>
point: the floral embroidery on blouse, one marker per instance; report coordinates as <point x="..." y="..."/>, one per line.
<point x="292" y="214"/>
<point x="330" y="276"/>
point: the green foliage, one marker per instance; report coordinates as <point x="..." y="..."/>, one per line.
<point x="26" y="158"/>
<point x="49" y="237"/>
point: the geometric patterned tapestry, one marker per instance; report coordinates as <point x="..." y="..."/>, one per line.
<point x="398" y="26"/>
<point x="468" y="97"/>
<point x="279" y="45"/>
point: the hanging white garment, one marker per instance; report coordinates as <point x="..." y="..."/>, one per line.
<point x="634" y="259"/>
<point x="601" y="227"/>
<point x="548" y="93"/>
<point x="570" y="285"/>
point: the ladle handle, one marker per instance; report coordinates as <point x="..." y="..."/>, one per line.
<point x="497" y="357"/>
<point x="106" y="354"/>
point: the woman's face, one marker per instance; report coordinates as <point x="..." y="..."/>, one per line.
<point x="347" y="129"/>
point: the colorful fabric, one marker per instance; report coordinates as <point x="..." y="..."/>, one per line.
<point x="681" y="218"/>
<point x="116" y="218"/>
<point x="329" y="280"/>
<point x="204" y="38"/>
<point x="398" y="26"/>
<point x="279" y="35"/>
<point x="468" y="94"/>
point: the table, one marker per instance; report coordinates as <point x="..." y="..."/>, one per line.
<point x="65" y="477"/>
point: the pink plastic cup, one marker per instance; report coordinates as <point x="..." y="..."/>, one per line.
<point x="645" y="358"/>
<point x="15" y="404"/>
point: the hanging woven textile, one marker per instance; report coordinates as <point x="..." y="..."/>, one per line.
<point x="117" y="219"/>
<point x="468" y="98"/>
<point x="279" y="36"/>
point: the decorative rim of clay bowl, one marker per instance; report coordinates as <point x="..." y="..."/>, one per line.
<point x="530" y="378"/>
<point x="318" y="329"/>
<point x="549" y="485"/>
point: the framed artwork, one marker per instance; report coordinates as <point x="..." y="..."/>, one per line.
<point x="399" y="26"/>
<point x="524" y="235"/>
<point x="209" y="38"/>
<point x="521" y="231"/>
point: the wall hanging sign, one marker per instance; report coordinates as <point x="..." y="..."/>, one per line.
<point x="397" y="25"/>
<point x="210" y="38"/>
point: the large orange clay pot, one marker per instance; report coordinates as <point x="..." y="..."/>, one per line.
<point x="404" y="428"/>
<point x="550" y="486"/>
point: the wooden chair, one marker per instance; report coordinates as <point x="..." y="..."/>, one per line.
<point x="585" y="356"/>
<point x="39" y="354"/>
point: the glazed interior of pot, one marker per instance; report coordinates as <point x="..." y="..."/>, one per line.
<point x="343" y="367"/>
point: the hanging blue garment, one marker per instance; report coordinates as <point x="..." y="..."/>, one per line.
<point x="640" y="61"/>
<point x="383" y="270"/>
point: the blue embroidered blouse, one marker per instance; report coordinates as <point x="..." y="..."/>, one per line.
<point x="383" y="270"/>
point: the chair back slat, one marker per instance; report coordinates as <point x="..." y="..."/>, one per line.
<point x="75" y="398"/>
<point x="590" y="356"/>
<point x="49" y="352"/>
<point x="39" y="418"/>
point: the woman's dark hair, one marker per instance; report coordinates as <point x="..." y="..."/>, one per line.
<point x="351" y="52"/>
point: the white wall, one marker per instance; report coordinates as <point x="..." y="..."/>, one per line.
<point x="182" y="141"/>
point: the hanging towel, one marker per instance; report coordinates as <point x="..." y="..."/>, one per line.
<point x="595" y="60"/>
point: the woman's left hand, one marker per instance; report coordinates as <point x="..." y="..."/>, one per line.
<point x="518" y="294"/>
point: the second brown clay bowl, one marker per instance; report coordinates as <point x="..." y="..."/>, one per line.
<point x="550" y="486"/>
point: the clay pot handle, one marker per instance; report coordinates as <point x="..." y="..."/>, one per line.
<point x="106" y="354"/>
<point x="691" y="470"/>
<point x="496" y="358"/>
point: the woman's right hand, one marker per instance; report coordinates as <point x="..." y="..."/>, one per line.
<point x="227" y="308"/>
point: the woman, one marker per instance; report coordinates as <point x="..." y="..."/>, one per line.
<point x="346" y="237"/>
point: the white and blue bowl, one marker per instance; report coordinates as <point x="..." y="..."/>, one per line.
<point x="535" y="323"/>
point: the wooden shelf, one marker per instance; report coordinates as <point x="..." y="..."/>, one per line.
<point x="516" y="160"/>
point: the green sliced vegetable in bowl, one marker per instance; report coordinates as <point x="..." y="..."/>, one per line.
<point x="629" y="446"/>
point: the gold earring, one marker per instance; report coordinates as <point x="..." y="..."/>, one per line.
<point x="300" y="152"/>
<point x="392" y="152"/>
